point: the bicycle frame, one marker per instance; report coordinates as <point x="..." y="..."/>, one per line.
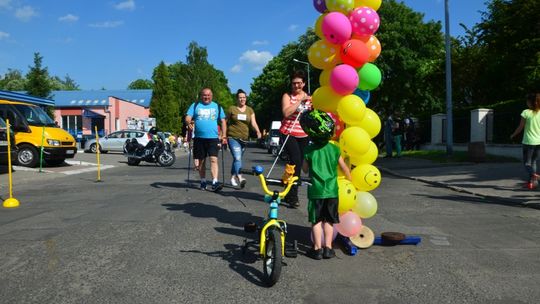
<point x="282" y="229"/>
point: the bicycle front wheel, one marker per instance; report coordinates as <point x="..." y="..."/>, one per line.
<point x="272" y="259"/>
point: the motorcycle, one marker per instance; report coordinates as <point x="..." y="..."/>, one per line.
<point x="156" y="151"/>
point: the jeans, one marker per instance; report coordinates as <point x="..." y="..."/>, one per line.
<point x="237" y="148"/>
<point x="530" y="157"/>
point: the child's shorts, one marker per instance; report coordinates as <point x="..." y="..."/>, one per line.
<point x="323" y="210"/>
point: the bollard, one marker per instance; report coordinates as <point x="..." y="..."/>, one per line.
<point x="11" y="202"/>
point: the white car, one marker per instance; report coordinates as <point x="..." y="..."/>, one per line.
<point x="116" y="140"/>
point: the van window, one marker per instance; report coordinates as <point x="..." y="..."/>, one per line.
<point x="35" y="115"/>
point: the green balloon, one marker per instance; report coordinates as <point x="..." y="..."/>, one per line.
<point x="370" y="77"/>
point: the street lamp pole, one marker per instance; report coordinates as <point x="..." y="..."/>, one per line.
<point x="308" y="79"/>
<point x="449" y="124"/>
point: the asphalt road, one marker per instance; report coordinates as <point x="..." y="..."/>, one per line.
<point x="141" y="236"/>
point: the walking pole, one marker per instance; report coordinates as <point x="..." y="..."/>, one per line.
<point x="11" y="202"/>
<point x="223" y="164"/>
<point x="283" y="145"/>
<point x="188" y="184"/>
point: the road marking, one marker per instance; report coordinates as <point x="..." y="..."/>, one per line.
<point x="439" y="240"/>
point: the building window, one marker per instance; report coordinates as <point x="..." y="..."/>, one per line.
<point x="72" y="124"/>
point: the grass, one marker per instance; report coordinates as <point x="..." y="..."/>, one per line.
<point x="458" y="156"/>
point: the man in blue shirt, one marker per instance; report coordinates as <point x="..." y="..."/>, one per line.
<point x="206" y="114"/>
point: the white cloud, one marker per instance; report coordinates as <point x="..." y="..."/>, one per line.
<point x="68" y="18"/>
<point x="5" y="3"/>
<point x="4" y="35"/>
<point x="255" y="58"/>
<point x="128" y="5"/>
<point x="293" y="27"/>
<point x="25" y="13"/>
<point x="237" y="68"/>
<point x="260" y="42"/>
<point x="107" y="24"/>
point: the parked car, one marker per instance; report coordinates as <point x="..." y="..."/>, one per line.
<point x="116" y="140"/>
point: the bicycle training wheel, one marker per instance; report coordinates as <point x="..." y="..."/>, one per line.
<point x="272" y="259"/>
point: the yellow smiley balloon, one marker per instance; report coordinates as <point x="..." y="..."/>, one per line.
<point x="347" y="195"/>
<point x="366" y="177"/>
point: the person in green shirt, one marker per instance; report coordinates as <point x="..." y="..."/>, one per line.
<point x="321" y="160"/>
<point x="239" y="118"/>
<point x="530" y="121"/>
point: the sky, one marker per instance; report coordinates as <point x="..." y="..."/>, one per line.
<point x="110" y="43"/>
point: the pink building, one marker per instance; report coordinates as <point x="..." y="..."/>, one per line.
<point x="81" y="112"/>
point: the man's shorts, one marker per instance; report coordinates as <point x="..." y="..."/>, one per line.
<point x="203" y="147"/>
<point x="323" y="210"/>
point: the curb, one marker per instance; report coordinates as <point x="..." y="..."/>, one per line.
<point x="497" y="199"/>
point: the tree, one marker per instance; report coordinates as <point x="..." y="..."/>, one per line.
<point x="141" y="84"/>
<point x="38" y="79"/>
<point x="164" y="106"/>
<point x="38" y="83"/>
<point x="13" y="80"/>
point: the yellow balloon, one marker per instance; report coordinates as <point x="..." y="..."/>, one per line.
<point x="325" y="99"/>
<point x="354" y="141"/>
<point x="324" y="78"/>
<point x="351" y="109"/>
<point x="323" y="55"/>
<point x="366" y="177"/>
<point x="371" y="123"/>
<point x="318" y="26"/>
<point x="366" y="205"/>
<point x="347" y="195"/>
<point x="343" y="6"/>
<point x="374" y="4"/>
<point x="367" y="158"/>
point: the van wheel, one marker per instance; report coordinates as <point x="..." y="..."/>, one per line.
<point x="27" y="156"/>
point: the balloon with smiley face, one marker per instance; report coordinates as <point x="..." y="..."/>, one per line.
<point x="366" y="177"/>
<point x="347" y="195"/>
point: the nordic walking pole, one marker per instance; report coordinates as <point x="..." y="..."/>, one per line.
<point x="11" y="202"/>
<point x="223" y="164"/>
<point x="188" y="184"/>
<point x="283" y="145"/>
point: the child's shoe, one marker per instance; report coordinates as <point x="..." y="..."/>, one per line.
<point x="328" y="253"/>
<point x="316" y="254"/>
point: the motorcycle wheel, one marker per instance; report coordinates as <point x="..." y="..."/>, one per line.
<point x="133" y="161"/>
<point x="166" y="159"/>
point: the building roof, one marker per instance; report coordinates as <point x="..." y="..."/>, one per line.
<point x="16" y="96"/>
<point x="64" y="99"/>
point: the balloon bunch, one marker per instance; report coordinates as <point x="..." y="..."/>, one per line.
<point x="345" y="52"/>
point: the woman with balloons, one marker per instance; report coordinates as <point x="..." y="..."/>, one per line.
<point x="346" y="53"/>
<point x="320" y="161"/>
<point x="295" y="139"/>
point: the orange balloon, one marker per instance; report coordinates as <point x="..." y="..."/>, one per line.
<point x="373" y="44"/>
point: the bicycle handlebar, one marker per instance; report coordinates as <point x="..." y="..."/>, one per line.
<point x="258" y="170"/>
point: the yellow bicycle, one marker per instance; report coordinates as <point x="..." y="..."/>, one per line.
<point x="273" y="232"/>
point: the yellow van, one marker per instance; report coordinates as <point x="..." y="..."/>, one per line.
<point x="32" y="126"/>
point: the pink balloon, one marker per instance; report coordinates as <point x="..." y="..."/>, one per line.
<point x="344" y="79"/>
<point x="349" y="224"/>
<point x="364" y="20"/>
<point x="336" y="28"/>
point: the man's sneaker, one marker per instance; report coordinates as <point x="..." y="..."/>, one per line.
<point x="234" y="183"/>
<point x="216" y="186"/>
<point x="316" y="254"/>
<point x="203" y="185"/>
<point x="242" y="182"/>
<point x="328" y="253"/>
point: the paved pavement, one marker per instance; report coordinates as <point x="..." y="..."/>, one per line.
<point x="502" y="183"/>
<point x="496" y="182"/>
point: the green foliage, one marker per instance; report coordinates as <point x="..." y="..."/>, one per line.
<point x="13" y="80"/>
<point x="37" y="79"/>
<point x="164" y="106"/>
<point x="189" y="78"/>
<point x="141" y="84"/>
<point x="411" y="61"/>
<point x="66" y="84"/>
